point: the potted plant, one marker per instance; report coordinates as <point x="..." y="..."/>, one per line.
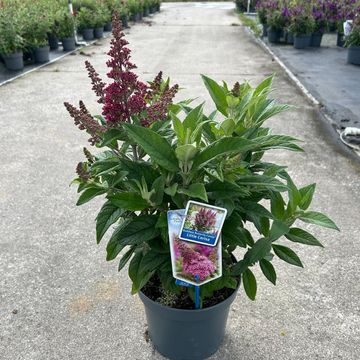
<point x="353" y="45"/>
<point x="67" y="30"/>
<point x="320" y="26"/>
<point x="262" y="8"/>
<point x="302" y="26"/>
<point x="85" y="22"/>
<point x="101" y="17"/>
<point x="158" y="155"/>
<point x="276" y="23"/>
<point x="11" y="42"/>
<point x="36" y="29"/>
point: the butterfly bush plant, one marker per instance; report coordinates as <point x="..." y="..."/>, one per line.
<point x="153" y="155"/>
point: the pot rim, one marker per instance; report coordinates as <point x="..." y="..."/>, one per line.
<point x="229" y="299"/>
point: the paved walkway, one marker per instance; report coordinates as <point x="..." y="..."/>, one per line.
<point x="59" y="299"/>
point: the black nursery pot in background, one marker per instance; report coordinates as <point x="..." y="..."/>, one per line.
<point x="53" y="42"/>
<point x="124" y="21"/>
<point x="340" y="40"/>
<point x="186" y="334"/>
<point x="316" y="39"/>
<point x="14" y="62"/>
<point x="265" y="30"/>
<point x="99" y="32"/>
<point x="42" y="54"/>
<point x="108" y="26"/>
<point x="274" y="35"/>
<point x="88" y="34"/>
<point x="353" y="55"/>
<point x="302" y="41"/>
<point x="68" y="44"/>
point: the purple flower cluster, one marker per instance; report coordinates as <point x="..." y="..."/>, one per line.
<point x="126" y="98"/>
<point x="195" y="263"/>
<point x="205" y="219"/>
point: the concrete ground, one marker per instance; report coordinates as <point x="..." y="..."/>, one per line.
<point x="326" y="74"/>
<point x="59" y="299"/>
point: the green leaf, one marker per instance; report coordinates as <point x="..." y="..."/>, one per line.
<point x="126" y="257"/>
<point x="252" y="208"/>
<point x="259" y="250"/>
<point x="250" y="285"/>
<point x="89" y="194"/>
<point x="129" y="201"/>
<point x="152" y="261"/>
<point x="111" y="136"/>
<point x="261" y="180"/>
<point x="171" y="190"/>
<point x="286" y="254"/>
<point x="278" y="229"/>
<point x="277" y="205"/>
<point x="107" y="216"/>
<point x="178" y="128"/>
<point x="307" y="194"/>
<point x="134" y="231"/>
<point x="158" y="190"/>
<point x="195" y="191"/>
<point x="303" y="237"/>
<point x="225" y="189"/>
<point x="154" y="145"/>
<point x="317" y="218"/>
<point x="186" y="153"/>
<point x="224" y="146"/>
<point x="193" y="117"/>
<point x="217" y="94"/>
<point x="268" y="270"/>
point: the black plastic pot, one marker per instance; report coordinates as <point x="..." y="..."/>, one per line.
<point x="274" y="35"/>
<point x="42" y="54"/>
<point x="99" y="32"/>
<point x="157" y="6"/>
<point x="140" y="15"/>
<point x="146" y="12"/>
<point x="68" y="44"/>
<point x="108" y="26"/>
<point x="302" y="41"/>
<point x="15" y="61"/>
<point x="186" y="334"/>
<point x="53" y="42"/>
<point x="151" y="10"/>
<point x="353" y="56"/>
<point x="88" y="34"/>
<point x="265" y="30"/>
<point x="137" y="17"/>
<point x="124" y="21"/>
<point x="289" y="38"/>
<point x="340" y="41"/>
<point x="316" y="39"/>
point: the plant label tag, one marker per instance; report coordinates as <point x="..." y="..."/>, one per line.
<point x="202" y="223"/>
<point x="191" y="261"/>
<point x="183" y="283"/>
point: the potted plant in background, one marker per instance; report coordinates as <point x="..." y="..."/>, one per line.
<point x="53" y="34"/>
<point x="157" y="156"/>
<point x="67" y="30"/>
<point x="262" y="8"/>
<point x="36" y="29"/>
<point x="85" y="22"/>
<point x="101" y="17"/>
<point x="320" y="26"/>
<point x="302" y="26"/>
<point x="353" y="44"/>
<point x="11" y="42"/>
<point x="276" y="23"/>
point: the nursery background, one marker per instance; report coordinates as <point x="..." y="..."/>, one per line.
<point x="59" y="298"/>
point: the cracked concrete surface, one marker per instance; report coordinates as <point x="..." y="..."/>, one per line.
<point x="59" y="299"/>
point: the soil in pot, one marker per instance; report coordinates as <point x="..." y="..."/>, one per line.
<point x="353" y="56"/>
<point x="181" y="334"/>
<point x="42" y="55"/>
<point x="316" y="39"/>
<point x="14" y="62"/>
<point x="302" y="41"/>
<point x="53" y="42"/>
<point x="88" y="34"/>
<point x="99" y="32"/>
<point x="68" y="44"/>
<point x="108" y="26"/>
<point x="274" y="36"/>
